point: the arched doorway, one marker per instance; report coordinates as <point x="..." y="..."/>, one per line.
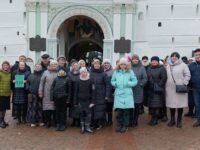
<point x="80" y="37"/>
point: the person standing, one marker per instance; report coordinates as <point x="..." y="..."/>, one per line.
<point x="102" y="90"/>
<point x="195" y="84"/>
<point x="61" y="92"/>
<point x="138" y="91"/>
<point x="84" y="99"/>
<point x="73" y="78"/>
<point x="157" y="78"/>
<point x="44" y="92"/>
<point x="34" y="113"/>
<point x="178" y="73"/>
<point x="109" y="71"/>
<point x="5" y="92"/>
<point x="123" y="80"/>
<point x="45" y="62"/>
<point x="20" y="93"/>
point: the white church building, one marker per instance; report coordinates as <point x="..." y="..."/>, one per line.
<point x="75" y="27"/>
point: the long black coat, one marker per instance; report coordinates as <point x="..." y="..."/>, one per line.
<point x="156" y="75"/>
<point x="101" y="90"/>
<point x="73" y="78"/>
<point x="20" y="95"/>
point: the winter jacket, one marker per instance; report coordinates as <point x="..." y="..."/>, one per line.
<point x="141" y="75"/>
<point x="156" y="75"/>
<point x="5" y="83"/>
<point x="123" y="81"/>
<point x="195" y="75"/>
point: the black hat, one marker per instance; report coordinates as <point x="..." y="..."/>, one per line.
<point x="45" y="56"/>
<point x="156" y="58"/>
<point x="145" y="57"/>
<point x="62" y="68"/>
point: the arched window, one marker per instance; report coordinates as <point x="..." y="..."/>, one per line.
<point x="159" y="24"/>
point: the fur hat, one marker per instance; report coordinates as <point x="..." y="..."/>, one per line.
<point x="156" y="58"/>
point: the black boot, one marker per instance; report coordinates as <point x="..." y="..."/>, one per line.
<point x="190" y="112"/>
<point x="2" y="125"/>
<point x="135" y="117"/>
<point x="87" y="128"/>
<point x="172" y="120"/>
<point x="124" y="129"/>
<point x="82" y="127"/>
<point x="62" y="127"/>
<point x="110" y="119"/>
<point x="179" y="118"/>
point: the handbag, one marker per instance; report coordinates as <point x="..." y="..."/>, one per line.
<point x="179" y="88"/>
<point x="158" y="89"/>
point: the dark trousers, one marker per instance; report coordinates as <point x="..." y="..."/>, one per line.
<point x="196" y="94"/>
<point x="61" y="109"/>
<point x="49" y="116"/>
<point x="85" y="112"/>
<point x="134" y="113"/>
<point x="123" y="117"/>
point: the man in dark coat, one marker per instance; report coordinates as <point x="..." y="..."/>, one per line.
<point x="45" y="62"/>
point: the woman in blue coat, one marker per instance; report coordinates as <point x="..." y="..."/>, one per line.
<point x="123" y="80"/>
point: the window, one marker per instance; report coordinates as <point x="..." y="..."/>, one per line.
<point x="159" y="24"/>
<point x="173" y="39"/>
<point x="18" y="33"/>
<point x="10" y="1"/>
<point x="140" y="16"/>
<point x="172" y="8"/>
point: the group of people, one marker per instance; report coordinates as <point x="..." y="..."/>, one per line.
<point x="57" y="90"/>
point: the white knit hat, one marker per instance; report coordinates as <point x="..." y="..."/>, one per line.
<point x="106" y="61"/>
<point x="123" y="60"/>
<point x="83" y="69"/>
<point x="53" y="62"/>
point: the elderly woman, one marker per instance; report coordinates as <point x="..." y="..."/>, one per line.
<point x="157" y="77"/>
<point x="20" y="94"/>
<point x="44" y="92"/>
<point x="123" y="80"/>
<point x="101" y="89"/>
<point x="5" y="92"/>
<point x="178" y="73"/>
<point x="141" y="75"/>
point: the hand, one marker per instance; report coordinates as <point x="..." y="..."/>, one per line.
<point x="106" y="98"/>
<point x="91" y="105"/>
<point x="24" y="81"/>
<point x="13" y="81"/>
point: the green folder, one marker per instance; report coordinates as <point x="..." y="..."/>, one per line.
<point x="19" y="81"/>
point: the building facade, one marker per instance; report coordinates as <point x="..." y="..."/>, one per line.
<point x="75" y="27"/>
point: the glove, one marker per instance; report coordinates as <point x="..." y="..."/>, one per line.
<point x="91" y="105"/>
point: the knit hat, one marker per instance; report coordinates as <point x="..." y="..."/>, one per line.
<point x="61" y="56"/>
<point x="83" y="69"/>
<point x="106" y="61"/>
<point x="53" y="62"/>
<point x="123" y="60"/>
<point x="156" y="58"/>
<point x="135" y="57"/>
<point x="145" y="57"/>
<point x="61" y="68"/>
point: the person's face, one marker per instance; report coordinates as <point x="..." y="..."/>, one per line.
<point x="61" y="62"/>
<point x="145" y="60"/>
<point x="21" y="65"/>
<point x="22" y="59"/>
<point x="54" y="66"/>
<point x="75" y="66"/>
<point x="82" y="64"/>
<point x="106" y="65"/>
<point x="5" y="67"/>
<point x="62" y="72"/>
<point x="38" y="67"/>
<point x="45" y="61"/>
<point x="174" y="58"/>
<point x="197" y="56"/>
<point x="84" y="74"/>
<point x="154" y="63"/>
<point x="123" y="66"/>
<point x="135" y="61"/>
<point x="97" y="65"/>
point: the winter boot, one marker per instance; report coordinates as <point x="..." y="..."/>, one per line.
<point x="88" y="129"/>
<point x="82" y="127"/>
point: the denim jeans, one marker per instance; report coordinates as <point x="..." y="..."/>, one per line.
<point x="196" y="93"/>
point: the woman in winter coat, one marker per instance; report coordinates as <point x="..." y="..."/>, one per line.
<point x="101" y="89"/>
<point x="141" y="75"/>
<point x="20" y="94"/>
<point x="34" y="113"/>
<point x="44" y="92"/>
<point x="5" y="92"/>
<point x="109" y="71"/>
<point x="177" y="73"/>
<point x="123" y="80"/>
<point x="84" y="99"/>
<point x="73" y="78"/>
<point x="61" y="92"/>
<point x="157" y="78"/>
